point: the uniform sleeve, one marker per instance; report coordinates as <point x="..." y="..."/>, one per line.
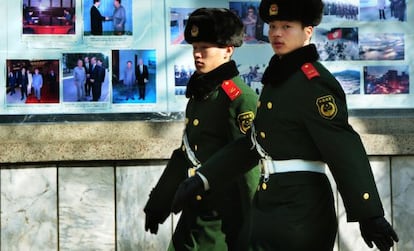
<point x="162" y="195"/>
<point x="326" y="119"/>
<point x="242" y="113"/>
<point x="230" y="162"/>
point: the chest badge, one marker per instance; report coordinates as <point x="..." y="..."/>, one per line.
<point x="327" y="107"/>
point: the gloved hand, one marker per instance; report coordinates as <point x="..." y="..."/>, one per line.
<point x="379" y="231"/>
<point x="186" y="191"/>
<point x="151" y="223"/>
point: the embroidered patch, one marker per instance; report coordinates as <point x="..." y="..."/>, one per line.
<point x="310" y="71"/>
<point x="245" y="121"/>
<point x="194" y="31"/>
<point x="327" y="107"/>
<point x="231" y="89"/>
<point x="273" y="10"/>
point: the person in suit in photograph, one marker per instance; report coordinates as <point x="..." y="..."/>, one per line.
<point x="96" y="79"/>
<point x="96" y="18"/>
<point x="11" y="80"/>
<point x="141" y="78"/>
<point x="23" y="82"/>
<point x="129" y="80"/>
<point x="79" y="79"/>
<point x="37" y="83"/>
<point x="88" y="67"/>
<point x="119" y="18"/>
<point x="52" y="81"/>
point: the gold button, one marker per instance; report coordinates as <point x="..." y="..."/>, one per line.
<point x="259" y="103"/>
<point x="263" y="135"/>
<point x="186" y="121"/>
<point x="196" y="122"/>
<point x="195" y="147"/>
<point x="183" y="148"/>
<point x="269" y="105"/>
<point x="198" y="197"/>
<point x="366" y="196"/>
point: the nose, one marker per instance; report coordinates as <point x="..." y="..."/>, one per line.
<point x="275" y="32"/>
<point x="196" y="53"/>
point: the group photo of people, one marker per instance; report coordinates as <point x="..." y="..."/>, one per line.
<point x="85" y="77"/>
<point x="383" y="10"/>
<point x="107" y="17"/>
<point x="32" y="81"/>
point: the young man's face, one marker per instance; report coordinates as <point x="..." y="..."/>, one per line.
<point x="208" y="56"/>
<point x="287" y="36"/>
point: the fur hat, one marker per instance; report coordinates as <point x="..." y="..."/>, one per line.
<point x="309" y="12"/>
<point x="214" y="25"/>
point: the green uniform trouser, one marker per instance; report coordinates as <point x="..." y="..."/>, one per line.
<point x="206" y="236"/>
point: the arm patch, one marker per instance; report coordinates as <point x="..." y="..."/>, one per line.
<point x="231" y="89"/>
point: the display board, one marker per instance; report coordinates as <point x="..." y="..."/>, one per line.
<point x="367" y="49"/>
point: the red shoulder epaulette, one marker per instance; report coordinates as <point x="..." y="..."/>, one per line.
<point x="310" y="71"/>
<point x="231" y="89"/>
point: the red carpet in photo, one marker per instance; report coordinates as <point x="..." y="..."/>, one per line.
<point x="46" y="96"/>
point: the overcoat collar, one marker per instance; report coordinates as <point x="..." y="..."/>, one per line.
<point x="281" y="68"/>
<point x="200" y="86"/>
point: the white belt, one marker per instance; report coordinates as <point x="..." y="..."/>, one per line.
<point x="293" y="165"/>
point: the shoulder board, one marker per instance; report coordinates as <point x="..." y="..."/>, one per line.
<point x="231" y="89"/>
<point x="310" y="71"/>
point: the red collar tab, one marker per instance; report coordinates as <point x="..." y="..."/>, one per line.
<point x="310" y="71"/>
<point x="231" y="89"/>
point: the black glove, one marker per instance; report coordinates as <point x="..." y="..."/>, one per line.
<point x="379" y="231"/>
<point x="151" y="223"/>
<point x="187" y="191"/>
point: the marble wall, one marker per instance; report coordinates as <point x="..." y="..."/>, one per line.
<point x="100" y="208"/>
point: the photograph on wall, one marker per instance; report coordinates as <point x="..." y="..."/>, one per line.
<point x="383" y="10"/>
<point x="251" y="74"/>
<point x="340" y="10"/>
<point x="32" y="81"/>
<point x="381" y="46"/>
<point x="349" y="76"/>
<point x="107" y="17"/>
<point x="134" y="76"/>
<point x="182" y="74"/>
<point x="178" y="20"/>
<point x="337" y="43"/>
<point x="49" y="17"/>
<point x="386" y="79"/>
<point x="85" y="77"/>
<point x="255" y="30"/>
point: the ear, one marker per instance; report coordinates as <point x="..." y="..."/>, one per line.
<point x="309" y="31"/>
<point x="229" y="51"/>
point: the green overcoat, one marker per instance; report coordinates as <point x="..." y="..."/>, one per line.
<point x="220" y="109"/>
<point x="302" y="114"/>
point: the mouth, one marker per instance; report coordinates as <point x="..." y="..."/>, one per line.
<point x="277" y="44"/>
<point x="198" y="63"/>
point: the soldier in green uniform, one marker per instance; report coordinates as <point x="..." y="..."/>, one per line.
<point x="220" y="109"/>
<point x="301" y="126"/>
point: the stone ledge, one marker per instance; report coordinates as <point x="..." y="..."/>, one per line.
<point x="135" y="140"/>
